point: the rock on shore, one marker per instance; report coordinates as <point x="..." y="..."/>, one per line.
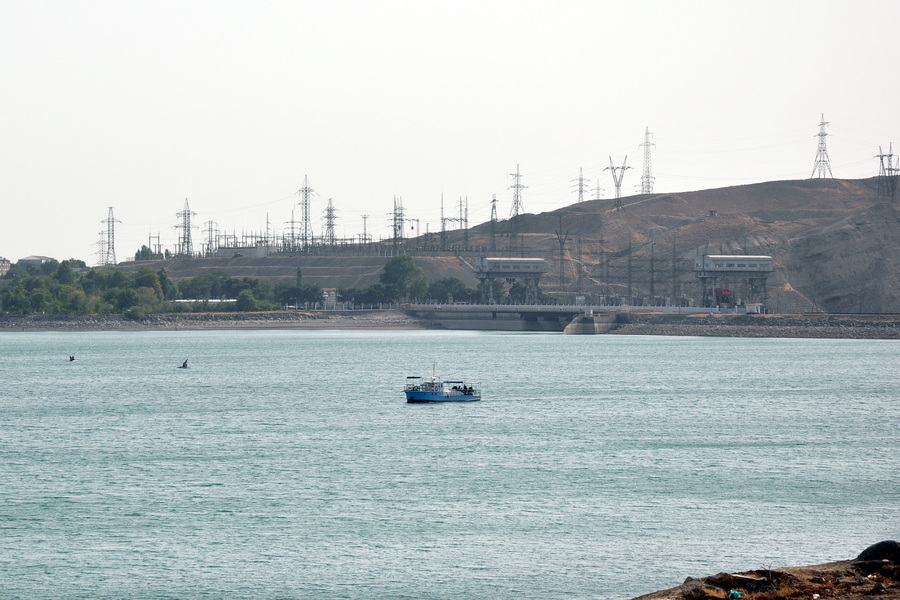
<point x="785" y="326"/>
<point x="215" y="320"/>
<point x="875" y="573"/>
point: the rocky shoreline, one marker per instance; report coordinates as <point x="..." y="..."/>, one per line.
<point x="223" y="320"/>
<point x="875" y="573"/>
<point x="775" y="326"/>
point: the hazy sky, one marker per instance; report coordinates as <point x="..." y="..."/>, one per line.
<point x="140" y="105"/>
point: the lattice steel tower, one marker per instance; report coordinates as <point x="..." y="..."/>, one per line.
<point x="185" y="245"/>
<point x="647" y="175"/>
<point x="581" y="184"/>
<point x="305" y="194"/>
<point x="822" y="163"/>
<point x="329" y="218"/>
<point x="108" y="248"/>
<point x="888" y="170"/>
<point x="517" y="188"/>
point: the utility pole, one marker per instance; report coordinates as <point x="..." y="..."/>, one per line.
<point x="822" y="163"/>
<point x="647" y="175"/>
<point x="494" y="222"/>
<point x="443" y="227"/>
<point x="158" y="246"/>
<point x="464" y="221"/>
<point x="365" y="235"/>
<point x="561" y="238"/>
<point x="674" y="271"/>
<point x="579" y="265"/>
<point x="617" y="178"/>
<point x="108" y="250"/>
<point x="630" y="296"/>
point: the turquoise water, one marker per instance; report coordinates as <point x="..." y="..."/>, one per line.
<point x="286" y="464"/>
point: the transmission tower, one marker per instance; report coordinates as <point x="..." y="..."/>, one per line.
<point x="443" y="226"/>
<point x="598" y="191"/>
<point x="888" y="171"/>
<point x="108" y="249"/>
<point x="185" y="246"/>
<point x="397" y="217"/>
<point x="101" y="249"/>
<point x="292" y="237"/>
<point x="822" y="163"/>
<point x="617" y="178"/>
<point x="329" y="224"/>
<point x="365" y="233"/>
<point x="494" y="222"/>
<point x="647" y="175"/>
<point x="517" y="188"/>
<point x="464" y="220"/>
<point x="561" y="238"/>
<point x="581" y="184"/>
<point x="212" y="238"/>
<point x="305" y="194"/>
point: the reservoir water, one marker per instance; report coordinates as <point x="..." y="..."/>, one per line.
<point x="286" y="464"/>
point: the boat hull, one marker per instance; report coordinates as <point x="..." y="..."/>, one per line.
<point x="425" y="397"/>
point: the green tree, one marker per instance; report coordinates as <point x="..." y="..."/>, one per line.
<point x="170" y="290"/>
<point x="405" y="276"/>
<point x="64" y="274"/>
<point x="148" y="278"/>
<point x="450" y="289"/>
<point x="72" y="300"/>
<point x="38" y="299"/>
<point x="245" y="301"/>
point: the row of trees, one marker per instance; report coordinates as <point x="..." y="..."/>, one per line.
<point x="70" y="287"/>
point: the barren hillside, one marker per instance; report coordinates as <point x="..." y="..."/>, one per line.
<point x="836" y="246"/>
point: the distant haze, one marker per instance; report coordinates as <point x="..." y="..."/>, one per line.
<point x="139" y="105"/>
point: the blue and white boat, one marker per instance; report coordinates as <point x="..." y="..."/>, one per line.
<point x="432" y="389"/>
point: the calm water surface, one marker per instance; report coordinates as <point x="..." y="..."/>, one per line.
<point x="286" y="464"/>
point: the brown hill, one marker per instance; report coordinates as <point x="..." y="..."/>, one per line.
<point x="836" y="246"/>
<point x="836" y="243"/>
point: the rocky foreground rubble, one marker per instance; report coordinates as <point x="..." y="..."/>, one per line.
<point x="874" y="574"/>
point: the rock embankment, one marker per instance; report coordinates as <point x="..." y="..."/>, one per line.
<point x="784" y="326"/>
<point x="875" y="573"/>
<point x="192" y="321"/>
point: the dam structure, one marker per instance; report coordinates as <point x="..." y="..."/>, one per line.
<point x="546" y="317"/>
